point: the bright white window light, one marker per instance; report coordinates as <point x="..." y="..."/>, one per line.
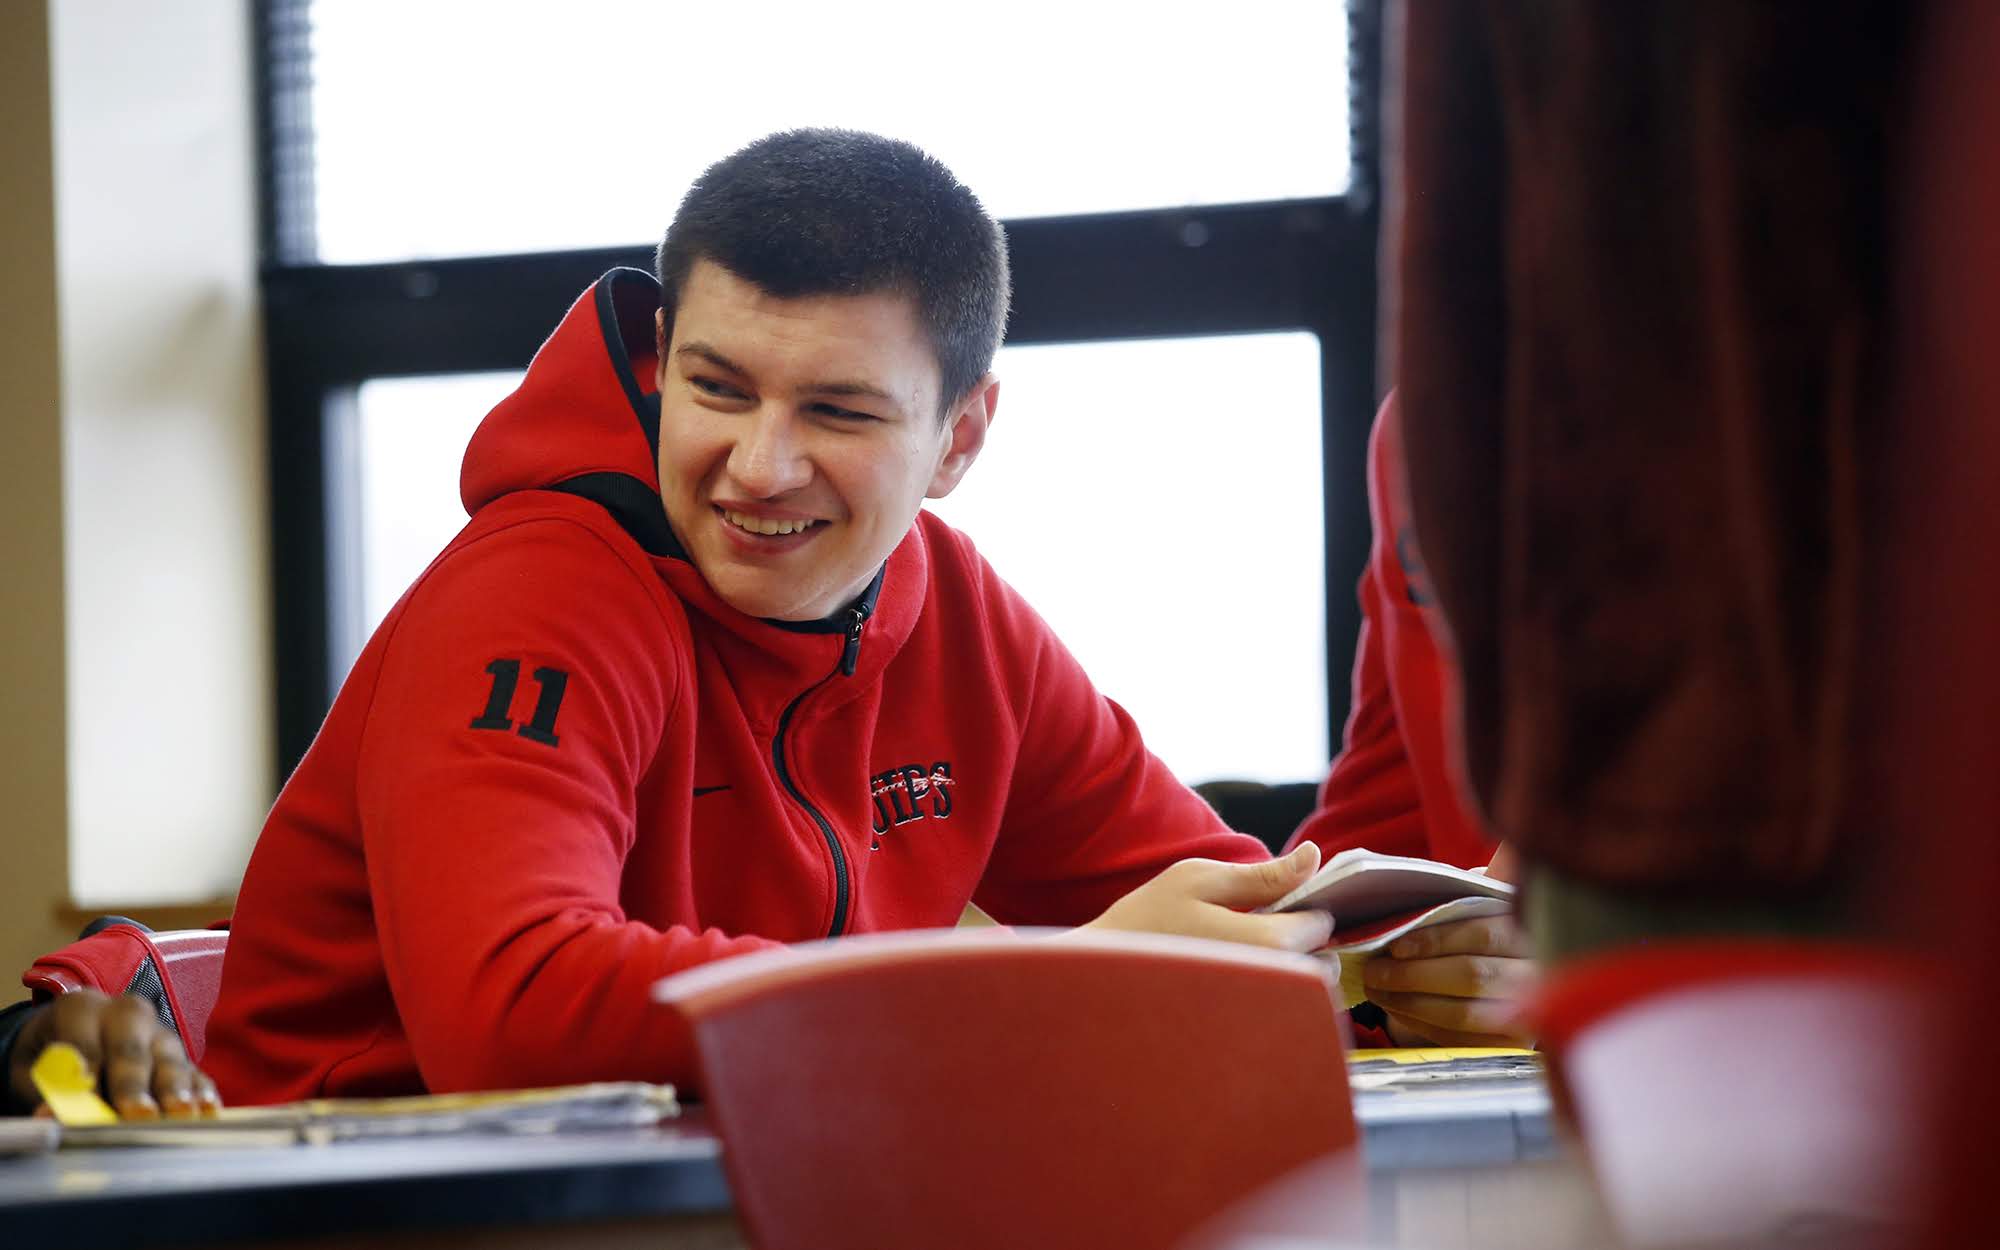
<point x="461" y="127"/>
<point x="1158" y="501"/>
<point x="410" y="442"/>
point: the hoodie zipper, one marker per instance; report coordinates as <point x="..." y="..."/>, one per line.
<point x="850" y="656"/>
<point x="850" y="653"/>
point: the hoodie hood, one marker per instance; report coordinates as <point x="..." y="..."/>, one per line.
<point x="585" y="421"/>
<point x="587" y="405"/>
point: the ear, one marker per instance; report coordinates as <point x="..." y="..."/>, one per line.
<point x="660" y="348"/>
<point x="967" y="435"/>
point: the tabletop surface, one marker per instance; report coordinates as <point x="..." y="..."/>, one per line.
<point x="165" y="1196"/>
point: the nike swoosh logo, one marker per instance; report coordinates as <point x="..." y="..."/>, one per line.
<point x="701" y="790"/>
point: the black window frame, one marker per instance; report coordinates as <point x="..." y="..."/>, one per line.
<point x="1284" y="265"/>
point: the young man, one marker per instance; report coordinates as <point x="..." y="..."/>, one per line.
<point x="1394" y="788"/>
<point x="699" y="677"/>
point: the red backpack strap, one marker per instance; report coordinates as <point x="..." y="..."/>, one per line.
<point x="189" y="967"/>
<point x="119" y="958"/>
<point x="179" y="972"/>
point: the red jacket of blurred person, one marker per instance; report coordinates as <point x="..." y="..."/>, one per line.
<point x="1395" y="786"/>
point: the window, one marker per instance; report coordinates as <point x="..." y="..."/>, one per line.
<point x="1193" y="199"/>
<point x="408" y="439"/>
<point x="1159" y="502"/>
<point x="489" y="126"/>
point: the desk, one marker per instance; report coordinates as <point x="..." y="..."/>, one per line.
<point x="1487" y="1122"/>
<point x="1437" y="1166"/>
<point x="1475" y="1165"/>
<point x="598" y="1187"/>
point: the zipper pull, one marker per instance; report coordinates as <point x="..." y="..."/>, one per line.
<point x="850" y="655"/>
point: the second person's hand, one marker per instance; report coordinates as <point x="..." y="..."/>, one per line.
<point x="143" y="1072"/>
<point x="1212" y="899"/>
<point x="1464" y="983"/>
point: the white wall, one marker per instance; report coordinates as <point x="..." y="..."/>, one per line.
<point x="32" y="736"/>
<point x="164" y="506"/>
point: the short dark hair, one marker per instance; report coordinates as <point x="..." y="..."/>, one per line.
<point x="843" y="212"/>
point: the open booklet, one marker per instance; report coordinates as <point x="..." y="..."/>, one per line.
<point x="618" y="1104"/>
<point x="1407" y="1068"/>
<point x="1376" y="898"/>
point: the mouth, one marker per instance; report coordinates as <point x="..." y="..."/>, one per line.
<point x="769" y="527"/>
<point x="767" y="532"/>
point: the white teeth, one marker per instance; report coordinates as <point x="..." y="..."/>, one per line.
<point x="765" y="525"/>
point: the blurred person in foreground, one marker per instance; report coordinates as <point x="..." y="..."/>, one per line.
<point x="1644" y="329"/>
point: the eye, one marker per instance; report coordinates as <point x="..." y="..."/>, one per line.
<point x="843" y="414"/>
<point x="713" y="386"/>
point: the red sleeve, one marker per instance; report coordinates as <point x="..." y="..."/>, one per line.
<point x="494" y="856"/>
<point x="1394" y="787"/>
<point x="1370" y="796"/>
<point x="1368" y="1037"/>
<point x="1091" y="813"/>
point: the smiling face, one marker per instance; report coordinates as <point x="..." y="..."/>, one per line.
<point x="799" y="437"/>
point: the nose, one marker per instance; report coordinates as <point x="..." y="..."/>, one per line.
<point x="770" y="456"/>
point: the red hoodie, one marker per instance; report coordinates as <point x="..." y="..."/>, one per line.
<point x="1395" y="785"/>
<point x="563" y="768"/>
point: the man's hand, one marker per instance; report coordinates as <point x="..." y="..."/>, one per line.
<point x="143" y="1072"/>
<point x="1458" y="984"/>
<point x="1211" y="899"/>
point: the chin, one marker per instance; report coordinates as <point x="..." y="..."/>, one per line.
<point x="752" y="604"/>
<point x="759" y="601"/>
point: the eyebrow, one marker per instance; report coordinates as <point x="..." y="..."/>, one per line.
<point x="702" y="351"/>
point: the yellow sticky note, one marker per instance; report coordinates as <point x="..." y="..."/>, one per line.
<point x="67" y="1086"/>
<point x="1435" y="1054"/>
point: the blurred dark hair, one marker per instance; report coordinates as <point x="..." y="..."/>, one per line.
<point x="843" y="212"/>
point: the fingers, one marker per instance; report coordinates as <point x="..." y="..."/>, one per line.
<point x="173" y="1077"/>
<point x="1210" y="899"/>
<point x="1491" y="1017"/>
<point x="72" y="1018"/>
<point x="207" y="1099"/>
<point x="167" y="1083"/>
<point x="1505" y="866"/>
<point x="1461" y="994"/>
<point x="1245" y="886"/>
<point x="130" y="1030"/>
<point x="1299" y="931"/>
<point x="181" y="1089"/>
<point x="28" y="1043"/>
<point x="76" y="1018"/>
<point x="1406" y="1029"/>
<point x="142" y="1067"/>
<point x="1456" y="976"/>
<point x="1488" y="935"/>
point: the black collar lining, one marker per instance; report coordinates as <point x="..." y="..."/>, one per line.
<point x="839" y="622"/>
<point x="622" y="322"/>
<point x="633" y="504"/>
